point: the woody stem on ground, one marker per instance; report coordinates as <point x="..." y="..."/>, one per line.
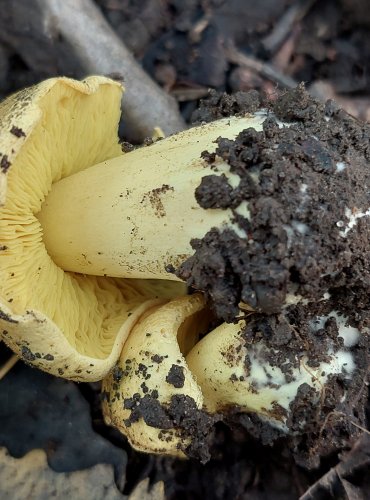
<point x="72" y="37"/>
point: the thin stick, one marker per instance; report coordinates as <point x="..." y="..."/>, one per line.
<point x="359" y="427"/>
<point x="72" y="37"/>
<point x="295" y="13"/>
<point x="264" y="69"/>
<point x="8" y="366"/>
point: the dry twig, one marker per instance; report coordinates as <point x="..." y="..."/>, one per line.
<point x="73" y="37"/>
<point x="284" y="26"/>
<point x="264" y="69"/>
<point x="184" y="94"/>
<point x="8" y="366"/>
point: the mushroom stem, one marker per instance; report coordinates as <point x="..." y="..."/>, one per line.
<point x="234" y="372"/>
<point x="135" y="215"/>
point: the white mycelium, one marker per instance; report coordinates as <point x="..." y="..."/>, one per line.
<point x="352" y="216"/>
<point x="264" y="383"/>
<point x="340" y="166"/>
<point x="349" y="334"/>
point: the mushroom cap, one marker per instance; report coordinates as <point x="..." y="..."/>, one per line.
<point x="27" y="111"/>
<point x="67" y="324"/>
<point x="151" y="371"/>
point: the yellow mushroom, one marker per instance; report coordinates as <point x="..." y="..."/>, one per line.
<point x="152" y="377"/>
<point x="78" y="217"/>
<point x="233" y="372"/>
<point x="68" y="324"/>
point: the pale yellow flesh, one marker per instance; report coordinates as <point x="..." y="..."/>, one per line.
<point x="160" y="333"/>
<point x="67" y="324"/>
<point x="133" y="215"/>
<point x="218" y="364"/>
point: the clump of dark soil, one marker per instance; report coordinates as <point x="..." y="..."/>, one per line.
<point x="319" y="423"/>
<point x="220" y="105"/>
<point x="308" y="225"/>
<point x="181" y="414"/>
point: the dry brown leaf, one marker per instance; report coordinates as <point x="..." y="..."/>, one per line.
<point x="349" y="480"/>
<point x="144" y="491"/>
<point x="60" y="424"/>
<point x="30" y="477"/>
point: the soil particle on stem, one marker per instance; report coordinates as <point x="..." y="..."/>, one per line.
<point x="320" y="421"/>
<point x="308" y="225"/>
<point x="180" y="415"/>
<point x="176" y="376"/>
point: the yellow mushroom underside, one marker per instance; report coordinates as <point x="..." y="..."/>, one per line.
<point x="88" y="311"/>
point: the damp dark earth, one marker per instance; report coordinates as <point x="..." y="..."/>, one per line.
<point x="305" y="63"/>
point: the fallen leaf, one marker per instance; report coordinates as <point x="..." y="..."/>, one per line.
<point x="143" y="491"/>
<point x="31" y="478"/>
<point x="349" y="480"/>
<point x="41" y="411"/>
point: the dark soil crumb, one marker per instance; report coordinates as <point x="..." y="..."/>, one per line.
<point x="308" y="231"/>
<point x="180" y="414"/>
<point x="27" y="354"/>
<point x="215" y="192"/>
<point x="218" y="105"/>
<point x="149" y="409"/>
<point x="156" y="358"/>
<point x="127" y="147"/>
<point x="318" y="424"/>
<point x="4" y="163"/>
<point x="18" y="132"/>
<point x="176" y="376"/>
<point x="193" y="423"/>
<point x="117" y="373"/>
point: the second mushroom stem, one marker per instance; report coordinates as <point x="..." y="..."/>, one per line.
<point x="135" y="215"/>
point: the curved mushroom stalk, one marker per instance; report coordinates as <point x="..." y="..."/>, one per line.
<point x="233" y="372"/>
<point x="151" y="396"/>
<point x="67" y="324"/>
<point x="135" y="215"/>
<point x="243" y="222"/>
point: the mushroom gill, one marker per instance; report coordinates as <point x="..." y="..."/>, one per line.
<point x="65" y="323"/>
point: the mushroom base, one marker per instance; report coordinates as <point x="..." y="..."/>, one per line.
<point x="293" y="376"/>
